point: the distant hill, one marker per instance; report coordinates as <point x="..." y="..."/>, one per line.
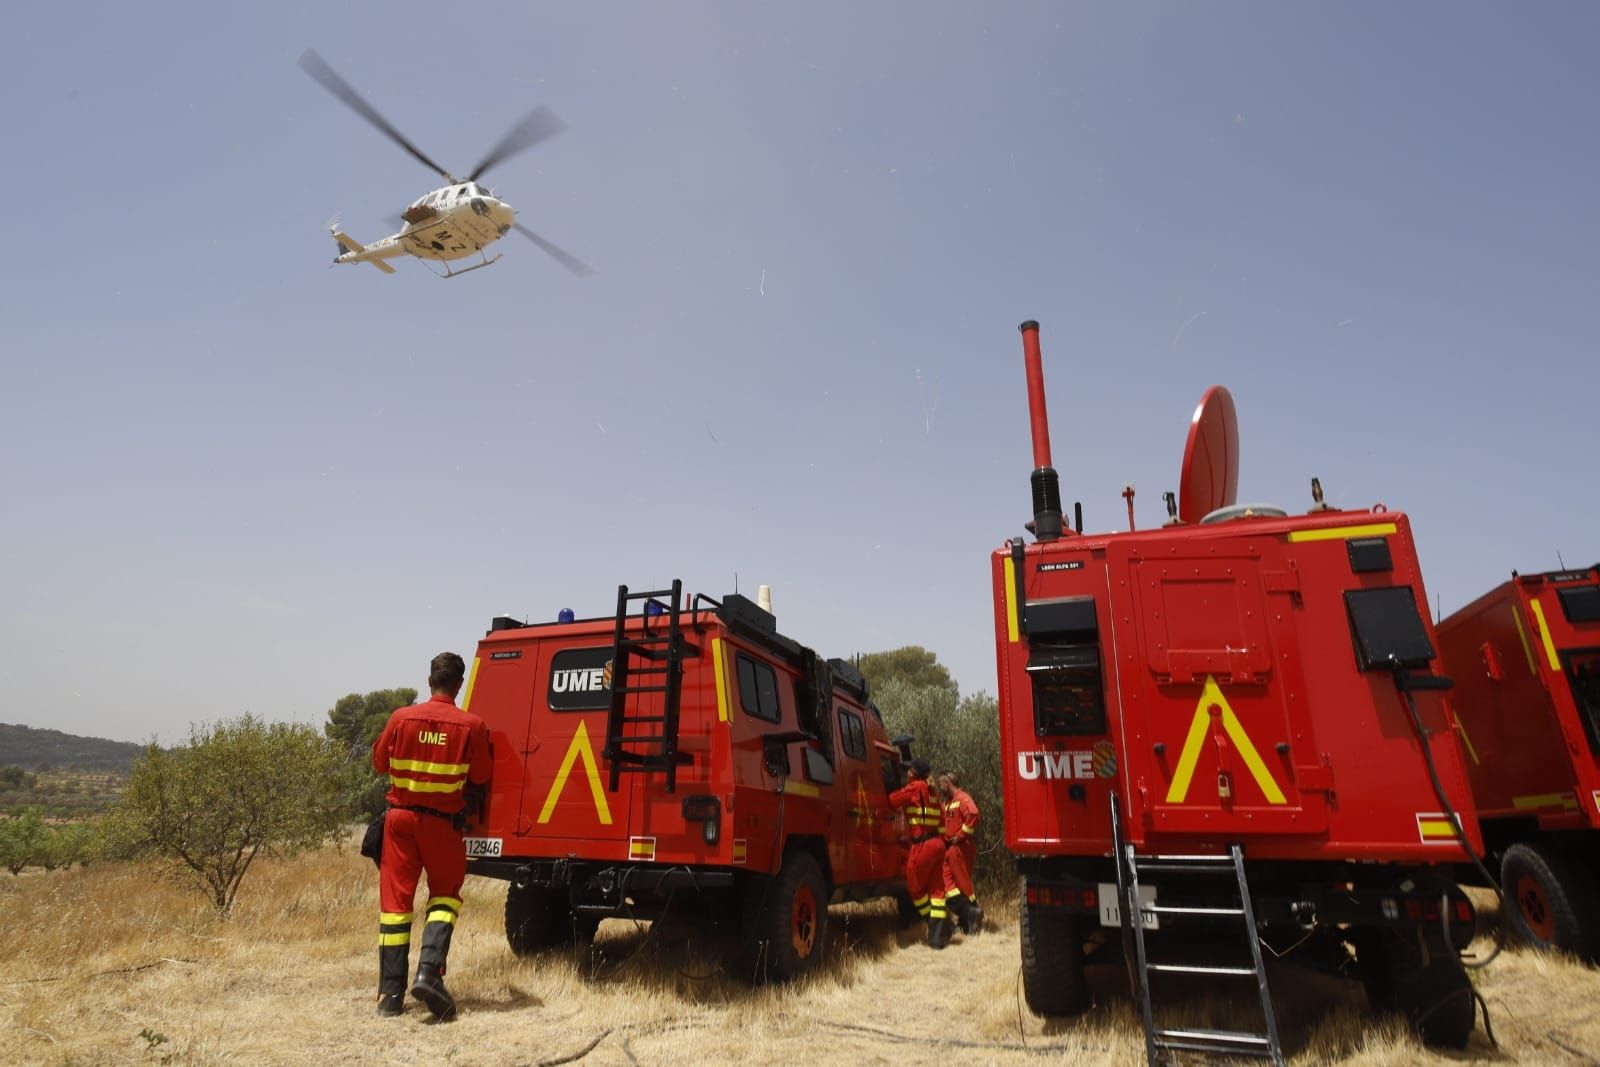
<point x="24" y="746"/>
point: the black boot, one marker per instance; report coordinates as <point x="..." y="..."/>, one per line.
<point x="429" y="984"/>
<point x="939" y="932"/>
<point x="968" y="912"/>
<point x="392" y="964"/>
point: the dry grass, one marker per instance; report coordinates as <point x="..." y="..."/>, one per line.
<point x="105" y="966"/>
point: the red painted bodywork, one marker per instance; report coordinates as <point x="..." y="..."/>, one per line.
<point x="642" y="821"/>
<point x="1239" y="603"/>
<point x="1529" y="753"/>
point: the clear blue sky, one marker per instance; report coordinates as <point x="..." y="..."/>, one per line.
<point x="236" y="479"/>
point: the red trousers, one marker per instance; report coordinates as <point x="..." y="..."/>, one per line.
<point x="958" y="862"/>
<point x="925" y="876"/>
<point x="414" y="842"/>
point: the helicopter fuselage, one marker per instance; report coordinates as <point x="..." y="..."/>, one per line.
<point x="455" y="221"/>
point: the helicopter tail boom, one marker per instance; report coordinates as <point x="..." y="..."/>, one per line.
<point x="353" y="251"/>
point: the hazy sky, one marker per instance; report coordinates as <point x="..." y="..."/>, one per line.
<point x="236" y="479"/>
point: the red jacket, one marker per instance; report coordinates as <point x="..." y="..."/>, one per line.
<point x="960" y="816"/>
<point x="430" y="751"/>
<point x="922" y="808"/>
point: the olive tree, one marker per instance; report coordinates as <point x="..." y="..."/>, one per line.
<point x="240" y="788"/>
<point x="355" y="722"/>
<point x="960" y="734"/>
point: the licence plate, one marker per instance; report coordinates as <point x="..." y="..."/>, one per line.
<point x="1111" y="906"/>
<point x="483" y="846"/>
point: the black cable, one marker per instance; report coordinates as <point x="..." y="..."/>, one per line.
<point x="1455" y="825"/>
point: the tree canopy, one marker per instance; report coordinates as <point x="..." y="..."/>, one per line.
<point x="239" y="788"/>
<point x="911" y="664"/>
<point x="355" y="722"/>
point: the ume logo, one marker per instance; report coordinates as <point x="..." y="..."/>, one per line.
<point x="578" y="680"/>
<point x="1055" y="765"/>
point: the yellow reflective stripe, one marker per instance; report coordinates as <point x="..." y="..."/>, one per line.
<point x="442" y="915"/>
<point x="1522" y="635"/>
<point x="578" y="749"/>
<point x="1011" y="599"/>
<point x="967" y="829"/>
<point x="1252" y="758"/>
<point x="394" y="917"/>
<point x="804" y="789"/>
<point x="449" y="902"/>
<point x="1547" y="800"/>
<point x="1435" y="828"/>
<point x="1190" y="756"/>
<point x="1465" y="740"/>
<point x="722" y="679"/>
<point x="1544" y="633"/>
<point x="1211" y="696"/>
<point x="429" y="768"/>
<point x="403" y="938"/>
<point x="1342" y="533"/>
<point x="472" y="678"/>
<point x="426" y="787"/>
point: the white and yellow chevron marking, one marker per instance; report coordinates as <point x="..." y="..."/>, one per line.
<point x="580" y="747"/>
<point x="1211" y="697"/>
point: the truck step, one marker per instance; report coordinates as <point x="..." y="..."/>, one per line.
<point x="1195" y="968"/>
<point x="1237" y="1042"/>
<point x="1164" y="909"/>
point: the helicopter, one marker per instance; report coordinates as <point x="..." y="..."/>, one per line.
<point x="459" y="219"/>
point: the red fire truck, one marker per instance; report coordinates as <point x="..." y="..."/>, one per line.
<point x="681" y="753"/>
<point x="1228" y="725"/>
<point x="1526" y="660"/>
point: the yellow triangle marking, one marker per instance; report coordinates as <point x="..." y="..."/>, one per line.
<point x="1211" y="696"/>
<point x="580" y="747"/>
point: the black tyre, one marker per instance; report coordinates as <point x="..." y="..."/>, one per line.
<point x="1052" y="960"/>
<point x="537" y="917"/>
<point x="785" y="921"/>
<point x="1551" y="901"/>
<point x="1422" y="978"/>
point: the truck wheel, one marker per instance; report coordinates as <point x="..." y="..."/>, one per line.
<point x="1550" y="900"/>
<point x="1052" y="961"/>
<point x="786" y="921"/>
<point x="1424" y="981"/>
<point x="537" y="917"/>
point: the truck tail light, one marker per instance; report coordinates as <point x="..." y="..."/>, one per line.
<point x="707" y="810"/>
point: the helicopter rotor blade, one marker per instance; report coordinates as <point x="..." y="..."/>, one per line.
<point x="566" y="259"/>
<point x="318" y="68"/>
<point x="540" y="124"/>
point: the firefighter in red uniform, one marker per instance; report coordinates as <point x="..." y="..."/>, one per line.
<point x="432" y="752"/>
<point x="925" y="861"/>
<point x="960" y="853"/>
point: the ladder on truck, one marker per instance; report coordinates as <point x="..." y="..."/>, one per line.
<point x="1229" y="902"/>
<point x="646" y="686"/>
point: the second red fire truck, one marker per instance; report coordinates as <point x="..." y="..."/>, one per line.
<point x="682" y="755"/>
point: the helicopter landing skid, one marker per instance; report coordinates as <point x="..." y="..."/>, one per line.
<point x="487" y="262"/>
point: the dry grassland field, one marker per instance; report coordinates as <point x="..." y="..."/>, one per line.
<point x="106" y="966"/>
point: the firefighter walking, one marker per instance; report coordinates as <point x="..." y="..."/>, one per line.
<point x="925" y="860"/>
<point x="960" y="853"/>
<point x="431" y="752"/>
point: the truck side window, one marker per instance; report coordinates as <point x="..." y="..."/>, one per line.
<point x="758" y="690"/>
<point x="1583" y="673"/>
<point x="891" y="774"/>
<point x="852" y="735"/>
